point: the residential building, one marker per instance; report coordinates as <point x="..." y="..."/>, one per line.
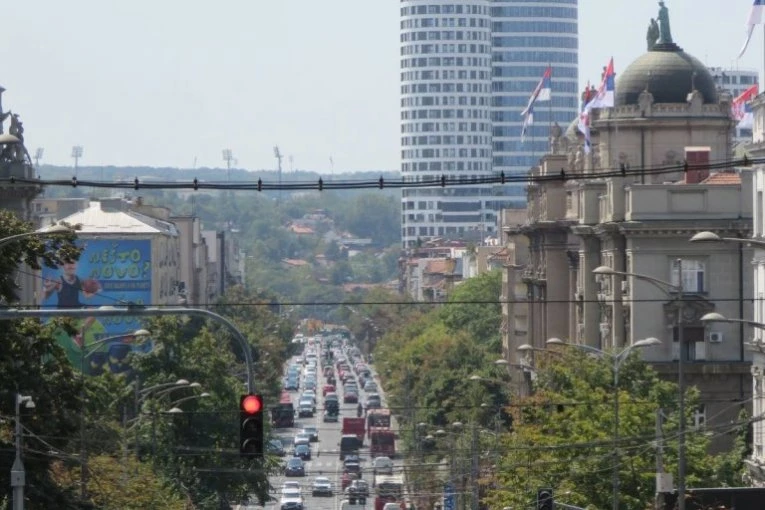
<point x="650" y="182"/>
<point x="735" y="82"/>
<point x="192" y="287"/>
<point x="467" y="72"/>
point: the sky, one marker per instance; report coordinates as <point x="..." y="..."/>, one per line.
<point x="172" y="83"/>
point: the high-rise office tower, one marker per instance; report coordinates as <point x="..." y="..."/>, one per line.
<point x="468" y="68"/>
<point x="736" y="81"/>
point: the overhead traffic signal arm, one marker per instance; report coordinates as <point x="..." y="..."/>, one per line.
<point x="251" y="426"/>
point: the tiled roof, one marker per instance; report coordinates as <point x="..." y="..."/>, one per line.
<point x="723" y="178"/>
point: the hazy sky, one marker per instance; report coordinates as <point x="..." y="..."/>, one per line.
<point x="173" y="82"/>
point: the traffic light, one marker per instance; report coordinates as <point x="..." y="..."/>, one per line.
<point x="545" y="499"/>
<point x="251" y="426"/>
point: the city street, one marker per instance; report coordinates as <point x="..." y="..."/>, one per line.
<point x="325" y="454"/>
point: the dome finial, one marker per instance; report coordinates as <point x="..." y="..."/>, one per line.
<point x="665" y="35"/>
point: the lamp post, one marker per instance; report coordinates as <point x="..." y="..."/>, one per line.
<point x="18" y="474"/>
<point x="174" y="405"/>
<point x="673" y="293"/>
<point x="617" y="359"/>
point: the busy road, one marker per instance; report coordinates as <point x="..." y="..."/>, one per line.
<point x="324" y="476"/>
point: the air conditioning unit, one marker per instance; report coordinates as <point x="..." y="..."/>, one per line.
<point x="715" y="337"/>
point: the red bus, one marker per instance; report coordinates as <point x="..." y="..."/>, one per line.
<point x="283" y="415"/>
<point x="382" y="442"/>
<point x="388" y="489"/>
<point x="378" y="418"/>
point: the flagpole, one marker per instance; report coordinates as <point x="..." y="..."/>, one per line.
<point x="549" y="104"/>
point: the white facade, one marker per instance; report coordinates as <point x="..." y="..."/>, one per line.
<point x="467" y="71"/>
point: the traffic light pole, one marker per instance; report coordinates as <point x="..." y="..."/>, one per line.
<point x="141" y="311"/>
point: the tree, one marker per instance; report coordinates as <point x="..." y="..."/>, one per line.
<point x="563" y="434"/>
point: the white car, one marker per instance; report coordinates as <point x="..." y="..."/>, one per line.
<point x="291" y="500"/>
<point x="383" y="465"/>
<point x="322" y="486"/>
<point x="290" y="486"/>
<point x="370" y="387"/>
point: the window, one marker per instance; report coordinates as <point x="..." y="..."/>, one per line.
<point x="692" y="277"/>
<point x="700" y="416"/>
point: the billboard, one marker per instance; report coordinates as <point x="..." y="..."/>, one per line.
<point x="110" y="272"/>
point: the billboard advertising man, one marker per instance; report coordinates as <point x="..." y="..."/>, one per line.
<point x="109" y="272"/>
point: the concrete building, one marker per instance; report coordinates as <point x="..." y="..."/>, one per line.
<point x="735" y="82"/>
<point x="467" y="71"/>
<point x="756" y="462"/>
<point x="632" y="204"/>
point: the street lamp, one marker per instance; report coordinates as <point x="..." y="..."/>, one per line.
<point x="51" y="231"/>
<point x="711" y="237"/>
<point x="18" y="474"/>
<point x="174" y="406"/>
<point x="673" y="293"/>
<point x="617" y="360"/>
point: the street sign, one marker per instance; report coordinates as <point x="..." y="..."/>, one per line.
<point x="450" y="500"/>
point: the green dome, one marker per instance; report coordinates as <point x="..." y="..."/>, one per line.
<point x="669" y="74"/>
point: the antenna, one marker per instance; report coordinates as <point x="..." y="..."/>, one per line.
<point x="76" y="155"/>
<point x="38" y="156"/>
<point x="228" y="157"/>
<point x="278" y="156"/>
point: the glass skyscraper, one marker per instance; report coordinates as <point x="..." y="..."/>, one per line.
<point x="467" y="70"/>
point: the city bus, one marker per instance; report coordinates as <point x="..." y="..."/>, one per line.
<point x="283" y="414"/>
<point x="378" y="418"/>
<point x="382" y="442"/>
<point x="388" y="489"/>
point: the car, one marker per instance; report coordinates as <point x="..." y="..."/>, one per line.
<point x="303" y="451"/>
<point x="392" y="506"/>
<point x="290" y="484"/>
<point x="358" y="488"/>
<point x="291" y="500"/>
<point x="331" y="396"/>
<point x="275" y="447"/>
<point x="312" y="432"/>
<point x="308" y="400"/>
<point x="370" y="386"/>
<point x="292" y="385"/>
<point x="373" y="401"/>
<point x="330" y="416"/>
<point x="294" y="467"/>
<point x="352" y="466"/>
<point x="346" y="480"/>
<point x="310" y="384"/>
<point x="349" y="397"/>
<point x="301" y="438"/>
<point x="321" y="486"/>
<point x="328" y="388"/>
<point x="383" y="465"/>
<point x="305" y="410"/>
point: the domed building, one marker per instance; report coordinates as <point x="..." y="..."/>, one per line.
<point x="659" y="172"/>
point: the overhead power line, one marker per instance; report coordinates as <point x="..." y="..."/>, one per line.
<point x="443" y="180"/>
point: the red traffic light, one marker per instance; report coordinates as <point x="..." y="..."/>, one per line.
<point x="251" y="404"/>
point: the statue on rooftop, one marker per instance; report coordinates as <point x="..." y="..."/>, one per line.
<point x="555" y="134"/>
<point x="665" y="36"/>
<point x="653" y="34"/>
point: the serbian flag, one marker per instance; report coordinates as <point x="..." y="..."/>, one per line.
<point x="605" y="95"/>
<point x="756" y="16"/>
<point x="584" y="127"/>
<point x="741" y="109"/>
<point x="542" y="92"/>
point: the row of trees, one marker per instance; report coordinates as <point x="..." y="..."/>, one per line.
<point x="108" y="441"/>
<point x="463" y="427"/>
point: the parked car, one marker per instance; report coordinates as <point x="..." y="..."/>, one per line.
<point x="295" y="467"/>
<point x="321" y="486"/>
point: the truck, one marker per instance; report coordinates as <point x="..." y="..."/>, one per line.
<point x="355" y="426"/>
